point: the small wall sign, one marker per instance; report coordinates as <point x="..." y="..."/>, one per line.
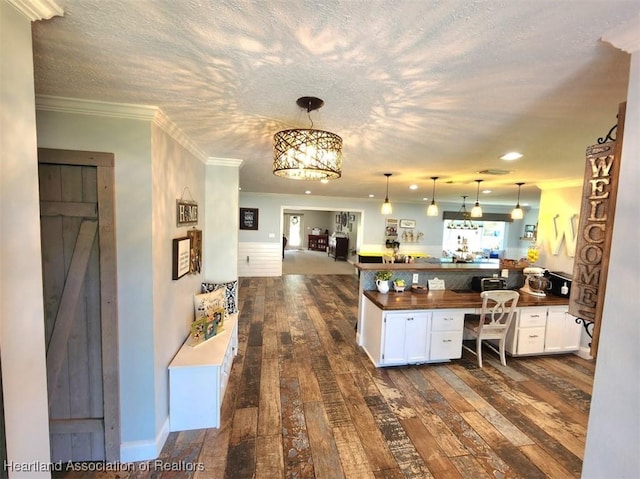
<point x="181" y="254"/>
<point x="248" y="218"/>
<point x="186" y="213"/>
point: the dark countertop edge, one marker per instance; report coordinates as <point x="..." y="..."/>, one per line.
<point x="447" y="299"/>
<point x="433" y="267"/>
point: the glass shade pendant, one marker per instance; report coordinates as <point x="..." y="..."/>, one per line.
<point x="517" y="213"/>
<point x="432" y="210"/>
<point x="386" y="208"/>
<point x="476" y="211"/>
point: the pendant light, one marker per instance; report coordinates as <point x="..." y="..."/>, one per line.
<point x="517" y="213"/>
<point x="307" y="153"/>
<point x="461" y="220"/>
<point x="476" y="211"/>
<point x="432" y="210"/>
<point x="386" y="206"/>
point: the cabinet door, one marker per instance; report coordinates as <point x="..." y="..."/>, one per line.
<point x="417" y="337"/>
<point x="393" y="350"/>
<point x="562" y="332"/>
<point x="531" y="340"/>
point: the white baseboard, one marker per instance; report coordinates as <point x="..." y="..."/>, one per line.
<point x="135" y="451"/>
<point x="584" y="353"/>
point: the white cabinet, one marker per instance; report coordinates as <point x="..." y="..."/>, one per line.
<point x="540" y="330"/>
<point x="393" y="338"/>
<point x="198" y="378"/>
<point x="405" y="337"/>
<point x="562" y="332"/>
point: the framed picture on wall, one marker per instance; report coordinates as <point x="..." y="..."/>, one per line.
<point x="248" y="218"/>
<point x="407" y="223"/>
<point x="181" y="257"/>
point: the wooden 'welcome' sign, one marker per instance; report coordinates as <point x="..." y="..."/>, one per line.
<point x="595" y="229"/>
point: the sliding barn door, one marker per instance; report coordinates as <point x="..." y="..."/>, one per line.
<point x="78" y="261"/>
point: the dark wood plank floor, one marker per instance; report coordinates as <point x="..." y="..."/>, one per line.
<point x="304" y="401"/>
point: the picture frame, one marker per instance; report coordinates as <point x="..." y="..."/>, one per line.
<point x="249" y="218"/>
<point x="198" y="331"/>
<point x="195" y="251"/>
<point x="186" y="213"/>
<point x="407" y="223"/>
<point x="181" y="257"/>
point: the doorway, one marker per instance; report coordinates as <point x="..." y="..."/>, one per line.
<point x="79" y="291"/>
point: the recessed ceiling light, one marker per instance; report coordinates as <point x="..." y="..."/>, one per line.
<point x="512" y="155"/>
<point x="425" y="199"/>
<point x="372" y="196"/>
<point x="486" y="192"/>
<point x="413" y="187"/>
<point x="308" y="192"/>
<point x="325" y="181"/>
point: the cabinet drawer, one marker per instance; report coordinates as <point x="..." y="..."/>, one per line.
<point x="531" y="340"/>
<point x="532" y="317"/>
<point x="447" y="321"/>
<point x="446" y="345"/>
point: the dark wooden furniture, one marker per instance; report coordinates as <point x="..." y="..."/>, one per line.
<point x="317" y="242"/>
<point x="339" y="247"/>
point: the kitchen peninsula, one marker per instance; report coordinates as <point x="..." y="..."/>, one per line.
<point x="423" y="327"/>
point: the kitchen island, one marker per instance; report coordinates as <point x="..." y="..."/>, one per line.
<point x="424" y="327"/>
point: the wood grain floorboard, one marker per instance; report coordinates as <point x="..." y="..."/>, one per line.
<point x="303" y="401"/>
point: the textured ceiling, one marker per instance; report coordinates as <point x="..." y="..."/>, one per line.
<point x="416" y="88"/>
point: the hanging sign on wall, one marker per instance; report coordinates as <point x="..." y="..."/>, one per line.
<point x="595" y="229"/>
<point x="186" y="213"/>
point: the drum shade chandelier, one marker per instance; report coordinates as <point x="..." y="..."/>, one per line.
<point x="307" y="154"/>
<point x="517" y="213"/>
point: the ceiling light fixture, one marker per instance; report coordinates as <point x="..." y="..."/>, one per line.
<point x="476" y="211"/>
<point x="386" y="208"/>
<point x="517" y="213"/>
<point x="307" y="154"/>
<point x="462" y="221"/>
<point x="432" y="210"/>
<point x="512" y="155"/>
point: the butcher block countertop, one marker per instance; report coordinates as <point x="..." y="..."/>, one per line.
<point x="449" y="299"/>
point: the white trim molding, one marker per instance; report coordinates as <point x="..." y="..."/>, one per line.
<point x="234" y="162"/>
<point x="625" y="37"/>
<point x="121" y="110"/>
<point x="37" y="9"/>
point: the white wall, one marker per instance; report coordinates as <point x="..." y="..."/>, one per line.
<point x="176" y="174"/>
<point x="222" y="220"/>
<point x="24" y="379"/>
<point x="613" y="433"/>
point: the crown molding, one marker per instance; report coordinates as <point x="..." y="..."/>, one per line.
<point x="93" y="107"/>
<point x="625" y="37"/>
<point x="163" y="121"/>
<point x="121" y="110"/>
<point x="231" y="162"/>
<point x="37" y="9"/>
